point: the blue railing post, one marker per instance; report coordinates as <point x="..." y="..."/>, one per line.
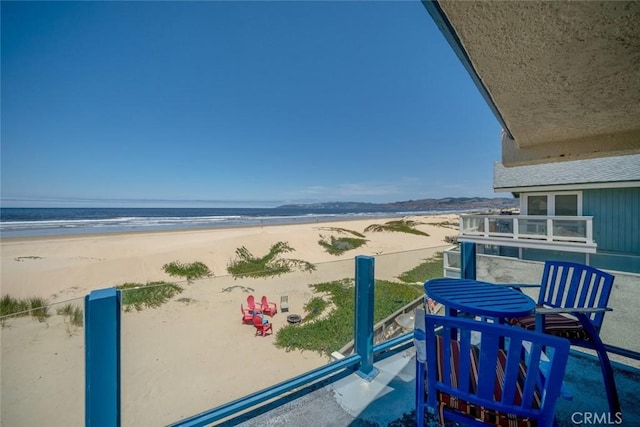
<point x="468" y="260"/>
<point x="365" y="284"/>
<point x="102" y="358"/>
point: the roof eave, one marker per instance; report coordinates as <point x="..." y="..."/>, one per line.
<point x="443" y="23"/>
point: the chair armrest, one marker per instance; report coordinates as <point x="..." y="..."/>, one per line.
<point x="548" y="310"/>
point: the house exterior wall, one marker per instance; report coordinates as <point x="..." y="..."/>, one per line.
<point x="543" y="255"/>
<point x="616" y="218"/>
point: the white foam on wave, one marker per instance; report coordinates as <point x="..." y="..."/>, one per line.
<point x="159" y="223"/>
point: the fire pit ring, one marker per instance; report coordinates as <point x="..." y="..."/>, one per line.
<point x="294" y="318"/>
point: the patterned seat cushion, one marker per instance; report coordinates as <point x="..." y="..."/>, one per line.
<point x="554" y="324"/>
<point x="473" y="410"/>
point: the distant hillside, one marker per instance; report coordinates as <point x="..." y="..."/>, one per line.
<point x="449" y="203"/>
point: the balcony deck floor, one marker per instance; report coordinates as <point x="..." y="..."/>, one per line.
<point x="388" y="400"/>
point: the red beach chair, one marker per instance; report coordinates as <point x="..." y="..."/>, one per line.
<point x="253" y="307"/>
<point x="269" y="308"/>
<point x="262" y="328"/>
<point x="247" y="317"/>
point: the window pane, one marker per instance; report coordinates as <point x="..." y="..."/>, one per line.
<point x="537" y="205"/>
<point x="567" y="204"/>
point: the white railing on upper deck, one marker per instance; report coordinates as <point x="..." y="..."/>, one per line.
<point x="570" y="233"/>
<point x="451" y="262"/>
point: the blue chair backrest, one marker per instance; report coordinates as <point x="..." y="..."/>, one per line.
<point x="572" y="285"/>
<point x="477" y="383"/>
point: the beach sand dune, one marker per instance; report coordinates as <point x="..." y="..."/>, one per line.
<point x="192" y="353"/>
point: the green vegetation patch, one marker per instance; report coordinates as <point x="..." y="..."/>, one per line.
<point x="74" y="314"/>
<point x="73" y="317"/>
<point x="340" y="245"/>
<point x="272" y="264"/>
<point x="448" y="224"/>
<point x="314" y="307"/>
<point x="401" y="225"/>
<point x="429" y="269"/>
<point x="195" y="270"/>
<point x="32" y="306"/>
<point x="10" y="305"/>
<point x="343" y="230"/>
<point x="336" y="329"/>
<point x="139" y="296"/>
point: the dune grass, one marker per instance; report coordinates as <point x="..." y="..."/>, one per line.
<point x="401" y="226"/>
<point x="340" y="245"/>
<point x="194" y="270"/>
<point x="272" y="264"/>
<point x="73" y="313"/>
<point x="10" y="305"/>
<point x="74" y="317"/>
<point x="448" y="224"/>
<point x="334" y="330"/>
<point x="429" y="269"/>
<point x="343" y="230"/>
<point x="314" y="307"/>
<point x="32" y="306"/>
<point x="139" y="296"/>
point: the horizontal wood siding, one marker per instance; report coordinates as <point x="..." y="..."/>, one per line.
<point x="616" y="218"/>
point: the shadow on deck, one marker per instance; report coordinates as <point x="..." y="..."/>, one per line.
<point x="389" y="399"/>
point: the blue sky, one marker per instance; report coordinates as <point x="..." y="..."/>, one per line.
<point x="236" y="104"/>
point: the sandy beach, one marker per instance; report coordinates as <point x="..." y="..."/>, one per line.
<point x="191" y="354"/>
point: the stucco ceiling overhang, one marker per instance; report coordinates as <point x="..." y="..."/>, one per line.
<point x="562" y="76"/>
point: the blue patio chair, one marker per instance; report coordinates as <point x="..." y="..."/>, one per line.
<point x="572" y="302"/>
<point x="504" y="379"/>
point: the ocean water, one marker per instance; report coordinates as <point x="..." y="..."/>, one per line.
<point x="28" y="222"/>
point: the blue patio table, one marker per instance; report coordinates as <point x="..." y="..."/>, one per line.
<point x="479" y="298"/>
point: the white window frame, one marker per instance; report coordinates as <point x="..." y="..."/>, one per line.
<point x="551" y="201"/>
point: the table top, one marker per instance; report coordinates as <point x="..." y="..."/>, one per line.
<point x="480" y="298"/>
